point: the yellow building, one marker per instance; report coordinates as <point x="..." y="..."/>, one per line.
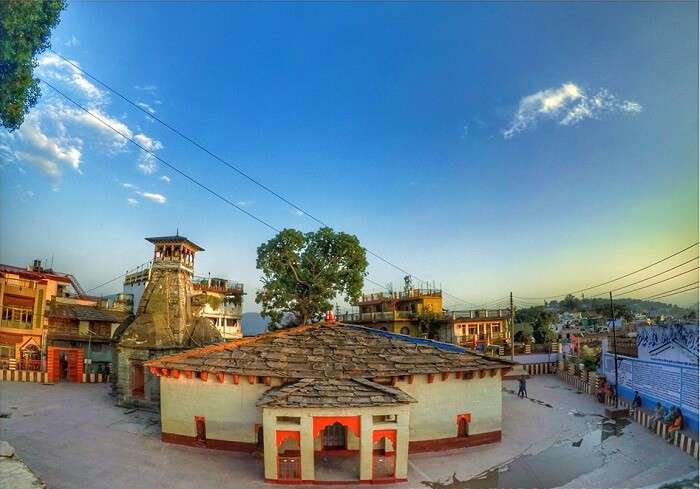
<point x="481" y="327"/>
<point x="331" y="403"/>
<point x="24" y="293"/>
<point x="398" y="312"/>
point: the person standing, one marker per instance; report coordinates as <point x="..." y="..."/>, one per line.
<point x="522" y="387"/>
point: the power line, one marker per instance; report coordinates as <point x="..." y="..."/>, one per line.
<point x="676" y="293"/>
<point x="116" y="278"/>
<point x="615" y="279"/>
<point x="661" y="281"/>
<point x="666" y="292"/>
<point x="232" y="167"/>
<point x="648" y="278"/>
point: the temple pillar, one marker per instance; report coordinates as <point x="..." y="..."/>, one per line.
<point x="401" y="468"/>
<point x="307" y="448"/>
<point x="270" y="445"/>
<point x="366" y="447"/>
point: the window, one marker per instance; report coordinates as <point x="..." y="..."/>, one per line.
<point x="289" y="419"/>
<point x="472" y="329"/>
<point x="384" y="418"/>
<point x="7" y="351"/>
<point x="496" y="329"/>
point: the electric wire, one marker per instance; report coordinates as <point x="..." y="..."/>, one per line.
<point x="234" y="168"/>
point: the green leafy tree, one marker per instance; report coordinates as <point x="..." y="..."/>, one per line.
<point x="539" y="321"/>
<point x="303" y="272"/>
<point x="570" y="303"/>
<point x="25" y="28"/>
<point x="429" y="323"/>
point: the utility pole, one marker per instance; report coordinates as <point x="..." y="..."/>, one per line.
<point x="512" y="328"/>
<point x="612" y="321"/>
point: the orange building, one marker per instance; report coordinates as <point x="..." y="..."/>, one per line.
<point x="24" y="293"/>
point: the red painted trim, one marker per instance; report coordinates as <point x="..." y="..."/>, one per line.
<point x="154" y="371"/>
<point x="493" y="372"/>
<point x="445" y="376"/>
<point x="175" y="373"/>
<point x="482" y="374"/>
<point x="504" y="371"/>
<point x="431" y="378"/>
<point x="188" y="374"/>
<point x="379" y="434"/>
<point x="453" y="443"/>
<point x="220" y="377"/>
<point x="466" y="416"/>
<point x="203" y="376"/>
<point x="251" y="379"/>
<point x="410" y="379"/>
<point x="191" y="441"/>
<point x="458" y="375"/>
<point x="268" y="380"/>
<point x="164" y="372"/>
<point x="469" y="375"/>
<point x="350" y="422"/>
<point x="282" y="435"/>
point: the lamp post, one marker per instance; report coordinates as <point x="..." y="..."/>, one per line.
<point x="612" y="322"/>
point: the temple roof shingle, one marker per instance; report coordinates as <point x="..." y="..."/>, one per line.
<point x="330" y="351"/>
<point x="333" y="393"/>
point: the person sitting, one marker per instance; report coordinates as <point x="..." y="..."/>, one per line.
<point x="637" y="401"/>
<point x="676" y="425"/>
<point x="670" y="416"/>
<point x="601" y="391"/>
<point x="659" y="415"/>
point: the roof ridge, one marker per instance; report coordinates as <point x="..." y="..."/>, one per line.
<point x="384" y="388"/>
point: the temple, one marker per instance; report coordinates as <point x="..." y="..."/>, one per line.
<point x="331" y="402"/>
<point x="167" y="321"/>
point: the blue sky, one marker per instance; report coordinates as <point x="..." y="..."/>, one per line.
<point x="489" y="147"/>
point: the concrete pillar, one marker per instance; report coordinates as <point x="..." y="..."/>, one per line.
<point x="270" y="445"/>
<point x="401" y="471"/>
<point x="366" y="447"/>
<point x="307" y="448"/>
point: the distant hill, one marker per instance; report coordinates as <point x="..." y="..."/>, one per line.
<point x="253" y="323"/>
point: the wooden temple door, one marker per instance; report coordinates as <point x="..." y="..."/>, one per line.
<point x="335" y="437"/>
<point x="72" y="358"/>
<point x="201" y="429"/>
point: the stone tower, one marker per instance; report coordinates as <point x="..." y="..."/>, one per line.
<point x="166" y="321"/>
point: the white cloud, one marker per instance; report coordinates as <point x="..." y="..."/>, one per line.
<point x="244" y="203"/>
<point x="47" y="153"/>
<point x="165" y="178"/>
<point x="298" y="212"/>
<point x="132" y="201"/>
<point x="147" y="142"/>
<point x="157" y="198"/>
<point x="146" y="88"/>
<point x="72" y="42"/>
<point x="52" y="66"/>
<point x="130" y="186"/>
<point x="566" y="105"/>
<point x="147" y="164"/>
<point x="146" y="107"/>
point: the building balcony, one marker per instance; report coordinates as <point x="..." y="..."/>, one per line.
<point x="399" y="296"/>
<point x="218" y="286"/>
<point x="19" y="325"/>
<point x="372" y="317"/>
<point x="481" y="314"/>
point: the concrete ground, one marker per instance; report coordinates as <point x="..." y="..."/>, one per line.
<point x="73" y="436"/>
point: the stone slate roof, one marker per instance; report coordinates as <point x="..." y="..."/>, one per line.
<point x="174" y="239"/>
<point x="333" y="393"/>
<point x="331" y="351"/>
<point x="84" y="313"/>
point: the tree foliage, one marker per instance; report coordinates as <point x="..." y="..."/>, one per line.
<point x="540" y="320"/>
<point x="429" y="323"/>
<point x="303" y="272"/>
<point x="25" y="28"/>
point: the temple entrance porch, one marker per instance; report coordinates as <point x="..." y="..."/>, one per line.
<point x="317" y="445"/>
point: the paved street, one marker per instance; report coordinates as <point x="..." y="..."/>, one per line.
<point x="72" y="436"/>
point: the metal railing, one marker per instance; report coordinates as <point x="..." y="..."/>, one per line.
<point x="9" y="323"/>
<point x="403" y="295"/>
<point x="20" y="283"/>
